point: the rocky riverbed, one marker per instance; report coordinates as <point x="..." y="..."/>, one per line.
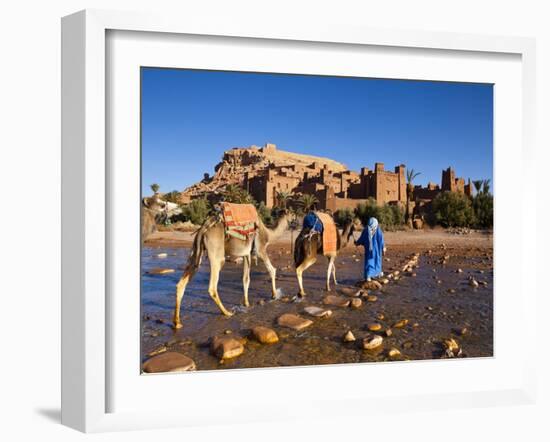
<point x="436" y="301"/>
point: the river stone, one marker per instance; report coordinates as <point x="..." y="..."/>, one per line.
<point x="160" y="271"/>
<point x="348" y="337"/>
<point x="372" y="298"/>
<point x="226" y="347"/>
<point x="389" y="332"/>
<point x="337" y="301"/>
<point x="157" y="351"/>
<point x="473" y="283"/>
<point x="169" y="361"/>
<point x="318" y="312"/>
<point x="352" y="292"/>
<point x="294" y="322"/>
<point x="356" y="303"/>
<point x="371" y="285"/>
<point x="265" y="335"/>
<point x="394" y="352"/>
<point x="162" y="255"/>
<point x="375" y="327"/>
<point x="400" y="324"/>
<point x="384" y="280"/>
<point x="372" y="342"/>
<point x="380" y="316"/>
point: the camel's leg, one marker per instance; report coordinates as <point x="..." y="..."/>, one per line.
<point x="246" y="278"/>
<point x="306" y="263"/>
<point x="180" y="289"/>
<point x="330" y="270"/>
<point x="216" y="265"/>
<point x="272" y="271"/>
<point x="334" y="271"/>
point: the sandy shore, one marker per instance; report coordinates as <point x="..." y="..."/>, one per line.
<point x="420" y="238"/>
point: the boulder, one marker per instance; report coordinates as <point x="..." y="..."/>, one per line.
<point x="265" y="335"/>
<point x="226" y="347"/>
<point x="372" y="342"/>
<point x="318" y="312"/>
<point x="294" y="322"/>
<point x="169" y="361"/>
<point x="336" y="301"/>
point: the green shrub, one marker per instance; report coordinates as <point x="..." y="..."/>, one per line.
<point x="236" y="194"/>
<point x="483" y="209"/>
<point x="196" y="211"/>
<point x="453" y="209"/>
<point x="172" y="197"/>
<point x="388" y="216"/>
<point x="265" y="213"/>
<point x="343" y="216"/>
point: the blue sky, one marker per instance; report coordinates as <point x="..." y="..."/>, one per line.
<point x="189" y="118"/>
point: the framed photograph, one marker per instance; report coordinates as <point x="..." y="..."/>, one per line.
<point x="292" y="221"/>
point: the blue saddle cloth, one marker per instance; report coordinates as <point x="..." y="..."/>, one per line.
<point x="312" y="222"/>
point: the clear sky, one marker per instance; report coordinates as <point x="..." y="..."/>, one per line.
<point x="189" y="118"/>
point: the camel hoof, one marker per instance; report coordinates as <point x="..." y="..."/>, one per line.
<point x="177" y="325"/>
<point x="228" y="314"/>
<point x="301" y="294"/>
<point x="246" y="304"/>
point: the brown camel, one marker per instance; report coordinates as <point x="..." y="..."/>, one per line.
<point x="309" y="244"/>
<point x="211" y="238"/>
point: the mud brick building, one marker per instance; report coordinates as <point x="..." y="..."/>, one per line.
<point x="266" y="171"/>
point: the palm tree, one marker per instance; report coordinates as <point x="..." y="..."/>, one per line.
<point x="307" y="201"/>
<point x="478" y="184"/>
<point x="236" y="194"/>
<point x="411" y="175"/>
<point x="283" y="198"/>
<point x="155" y="188"/>
<point x="486" y="186"/>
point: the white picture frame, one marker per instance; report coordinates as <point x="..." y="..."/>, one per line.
<point x="86" y="353"/>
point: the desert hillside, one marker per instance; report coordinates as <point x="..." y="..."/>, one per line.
<point x="253" y="160"/>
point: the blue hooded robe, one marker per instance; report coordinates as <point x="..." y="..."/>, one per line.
<point x="372" y="239"/>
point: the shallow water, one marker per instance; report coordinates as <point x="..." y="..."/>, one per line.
<point x="433" y="312"/>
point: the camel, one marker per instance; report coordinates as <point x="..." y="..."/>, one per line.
<point x="211" y="238"/>
<point x="310" y="244"/>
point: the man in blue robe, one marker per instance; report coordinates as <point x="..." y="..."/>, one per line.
<point x="372" y="239"/>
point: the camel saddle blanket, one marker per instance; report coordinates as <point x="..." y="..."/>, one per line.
<point x="329" y="232"/>
<point x="241" y="220"/>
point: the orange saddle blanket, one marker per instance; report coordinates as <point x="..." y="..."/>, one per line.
<point x="241" y="220"/>
<point x="329" y="232"/>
